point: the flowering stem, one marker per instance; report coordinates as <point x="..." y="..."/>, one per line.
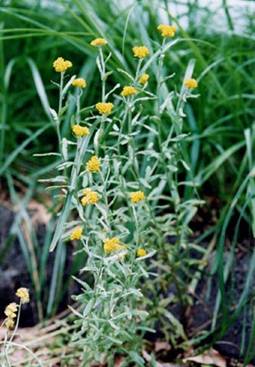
<point x="16" y="326"/>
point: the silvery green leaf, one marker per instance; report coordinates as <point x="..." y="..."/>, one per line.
<point x="125" y="73"/>
<point x="172" y="168"/>
<point x="167" y="102"/>
<point x="55" y="187"/>
<point x="75" y="312"/>
<point x="79" y="208"/>
<point x="179" y="137"/>
<point x="113" y="340"/>
<point x="106" y="76"/>
<point x="135" y="357"/>
<point x="113" y="325"/>
<point x="54" y="115"/>
<point x="65" y="148"/>
<point x="96" y="139"/>
<point x="64" y="165"/>
<point x="46" y="154"/>
<point x="68" y="84"/>
<point x="88" y="308"/>
<point x="108" y="58"/>
<point x="98" y="61"/>
<point x="147" y="127"/>
<point x="158" y="189"/>
<point x="116" y="127"/>
<point x="54" y="179"/>
<point x="144" y="183"/>
<point x="185" y="165"/>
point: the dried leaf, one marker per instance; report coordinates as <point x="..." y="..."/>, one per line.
<point x="118" y="361"/>
<point x="210" y="357"/>
<point x="148" y="358"/>
<point x="159" y="345"/>
<point x="39" y="213"/>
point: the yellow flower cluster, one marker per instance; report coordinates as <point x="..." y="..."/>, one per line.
<point x="23" y="294"/>
<point x="143" y="79"/>
<point x="76" y="233"/>
<point x="112" y="245"/>
<point x="89" y="197"/>
<point x="167" y="30"/>
<point x="10" y="312"/>
<point x="104" y="108"/>
<point x="141" y="252"/>
<point x="98" y="42"/>
<point x="141" y="52"/>
<point x="190" y="83"/>
<point x="60" y="65"/>
<point x="80" y="131"/>
<point x="128" y="90"/>
<point x="93" y="165"/>
<point x="79" y="83"/>
<point x="136" y="196"/>
<point x="9" y="323"/>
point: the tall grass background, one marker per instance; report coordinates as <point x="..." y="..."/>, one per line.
<point x="220" y="122"/>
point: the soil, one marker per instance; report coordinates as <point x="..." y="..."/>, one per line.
<point x="199" y="316"/>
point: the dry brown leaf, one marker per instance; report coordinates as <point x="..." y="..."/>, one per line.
<point x="159" y="345"/>
<point x="148" y="358"/>
<point x="118" y="361"/>
<point x="211" y="357"/>
<point x="39" y="213"/>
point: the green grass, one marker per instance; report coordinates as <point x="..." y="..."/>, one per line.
<point x="220" y="121"/>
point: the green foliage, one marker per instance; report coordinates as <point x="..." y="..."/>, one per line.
<point x="219" y="124"/>
<point x="133" y="188"/>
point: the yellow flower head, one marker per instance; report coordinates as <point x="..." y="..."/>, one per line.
<point x="60" y="65"/>
<point x="80" y="131"/>
<point x="141" y="252"/>
<point x="93" y="165"/>
<point x="76" y="233"/>
<point x="128" y="91"/>
<point x="89" y="197"/>
<point x="10" y="310"/>
<point x="112" y="245"/>
<point x="9" y="323"/>
<point x="136" y="196"/>
<point x="167" y="30"/>
<point x="23" y="294"/>
<point x="141" y="52"/>
<point x="144" y="78"/>
<point x="98" y="42"/>
<point x="79" y="83"/>
<point x="190" y="83"/>
<point x="104" y="108"/>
